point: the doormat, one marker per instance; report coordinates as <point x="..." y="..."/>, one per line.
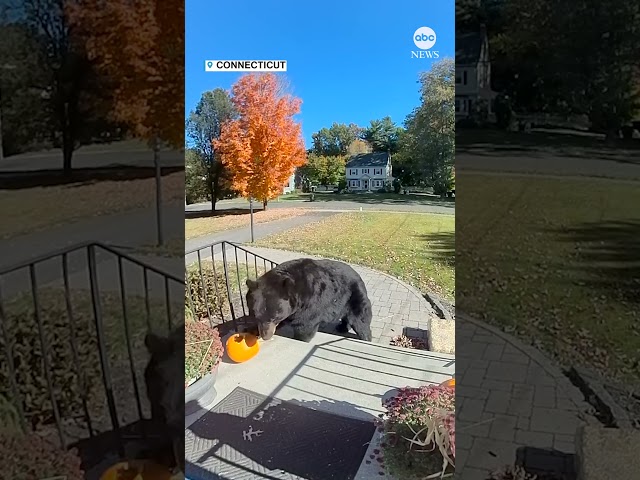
<point x="251" y="436"/>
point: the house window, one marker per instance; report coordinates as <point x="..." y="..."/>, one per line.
<point x="457" y="106"/>
<point x="458" y="78"/>
<point x="464" y="77"/>
<point x="365" y="170"/>
<point x="353" y="171"/>
<point x="377" y="171"/>
<point x="378" y="183"/>
<point x="354" y="183"/>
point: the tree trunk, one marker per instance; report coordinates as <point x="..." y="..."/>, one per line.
<point x="158" y="168"/>
<point x="67" y="141"/>
<point x="264" y="204"/>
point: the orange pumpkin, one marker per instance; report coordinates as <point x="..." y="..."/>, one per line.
<point x="242" y="347"/>
<point x="449" y="383"/>
<point x="137" y="470"/>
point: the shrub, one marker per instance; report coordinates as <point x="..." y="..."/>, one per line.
<point x="397" y="186"/>
<point x="419" y="429"/>
<point x="213" y="294"/>
<point x="27" y="358"/>
<point x="30" y="456"/>
<point x="203" y="350"/>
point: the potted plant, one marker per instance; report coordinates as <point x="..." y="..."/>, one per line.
<point x="419" y="433"/>
<point x="202" y="355"/>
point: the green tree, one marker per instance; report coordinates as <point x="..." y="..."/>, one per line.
<point x="428" y="145"/>
<point x="383" y="135"/>
<point x="588" y="63"/>
<point x="324" y="169"/>
<point x="195" y="184"/>
<point x="203" y="126"/>
<point x="334" y="140"/>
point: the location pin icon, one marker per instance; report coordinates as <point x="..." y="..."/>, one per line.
<point x="209" y="64"/>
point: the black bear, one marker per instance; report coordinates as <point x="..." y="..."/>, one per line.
<point x="305" y="294"/>
<point x="164" y="379"/>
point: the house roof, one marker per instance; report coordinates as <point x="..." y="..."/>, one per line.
<point x="377" y="159"/>
<point x="468" y="46"/>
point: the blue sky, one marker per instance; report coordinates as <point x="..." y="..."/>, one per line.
<point x="349" y="61"/>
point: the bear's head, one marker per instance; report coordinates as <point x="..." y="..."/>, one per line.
<point x="270" y="300"/>
<point x="164" y="378"/>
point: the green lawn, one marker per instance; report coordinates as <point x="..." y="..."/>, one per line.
<point x="513" y="259"/>
<point x="417" y="248"/>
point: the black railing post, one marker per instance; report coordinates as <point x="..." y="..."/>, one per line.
<point x="8" y="349"/>
<point x="45" y="353"/>
<point x="104" y="359"/>
<point x="226" y="279"/>
<point x="73" y="339"/>
<point x="127" y="333"/>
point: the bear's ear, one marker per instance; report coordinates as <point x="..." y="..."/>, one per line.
<point x="287" y="284"/>
<point x="251" y="284"/>
<point x="157" y="345"/>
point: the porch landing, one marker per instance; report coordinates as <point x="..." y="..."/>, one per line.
<point x="337" y="375"/>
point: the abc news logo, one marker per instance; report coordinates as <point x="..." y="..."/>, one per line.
<point x="425" y="39"/>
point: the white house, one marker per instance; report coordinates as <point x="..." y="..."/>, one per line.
<point x="473" y="73"/>
<point x="368" y="171"/>
<point x="290" y="186"/>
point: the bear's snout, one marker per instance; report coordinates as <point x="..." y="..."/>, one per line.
<point x="266" y="330"/>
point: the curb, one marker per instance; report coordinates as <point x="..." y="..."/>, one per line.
<point x="538" y="357"/>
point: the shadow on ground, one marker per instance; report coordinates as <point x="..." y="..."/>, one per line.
<point x="380" y="199"/>
<point x="608" y="256"/>
<point x="220" y="212"/>
<point x="78" y="177"/>
<point x="441" y="246"/>
<point x="492" y="142"/>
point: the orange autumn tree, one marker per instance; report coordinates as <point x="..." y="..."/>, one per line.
<point x="264" y="145"/>
<point x="140" y="47"/>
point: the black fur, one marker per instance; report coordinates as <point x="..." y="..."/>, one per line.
<point x="305" y="294"/>
<point x="164" y="378"/>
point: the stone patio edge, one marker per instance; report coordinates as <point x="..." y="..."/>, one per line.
<point x="538" y="357"/>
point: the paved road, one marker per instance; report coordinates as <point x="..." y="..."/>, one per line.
<point x="384" y="205"/>
<point x="127" y="153"/>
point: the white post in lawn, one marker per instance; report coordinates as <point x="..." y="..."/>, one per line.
<point x="251" y="211"/>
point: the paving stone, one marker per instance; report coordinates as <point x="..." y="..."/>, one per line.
<point x="467" y="391"/>
<point x="534" y="439"/>
<point x="506" y="371"/>
<point x="498" y="402"/>
<point x="553" y="421"/>
<point x="544" y="396"/>
<point x="472" y="410"/>
<point x="493" y="352"/>
<point x="474" y="377"/>
<point x="497" y="385"/>
<point x="503" y="427"/>
<point x="523" y="423"/>
<point x="491" y="454"/>
<point x="471" y="473"/>
<point x="517" y="358"/>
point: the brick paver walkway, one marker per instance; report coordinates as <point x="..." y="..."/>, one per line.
<point x="513" y="405"/>
<point x="397" y="307"/>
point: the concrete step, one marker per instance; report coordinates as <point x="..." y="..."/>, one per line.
<point x="607" y="453"/>
<point x="338" y="375"/>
